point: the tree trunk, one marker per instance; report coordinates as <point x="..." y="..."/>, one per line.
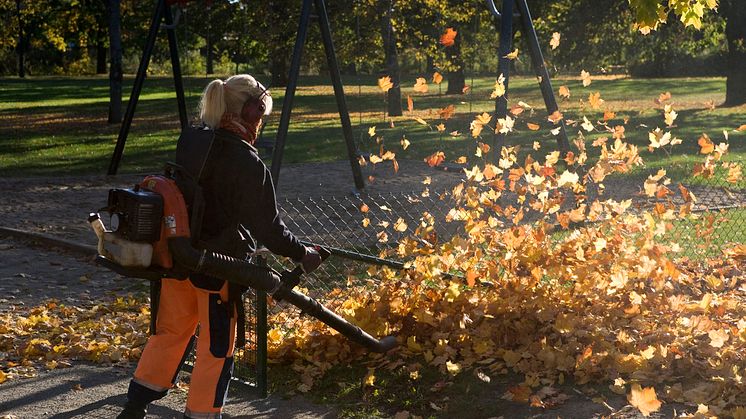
<point x="279" y="68"/>
<point x="392" y="62"/>
<point x="456" y="77"/>
<point x="21" y="49"/>
<point x="735" y="32"/>
<point x="115" y="68"/>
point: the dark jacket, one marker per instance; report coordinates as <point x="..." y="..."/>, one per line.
<point x="240" y="206"/>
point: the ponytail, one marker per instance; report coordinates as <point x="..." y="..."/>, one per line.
<point x="212" y="105"/>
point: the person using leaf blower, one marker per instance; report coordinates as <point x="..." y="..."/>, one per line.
<point x="239" y="208"/>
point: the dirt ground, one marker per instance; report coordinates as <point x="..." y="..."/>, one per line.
<point x="32" y="271"/>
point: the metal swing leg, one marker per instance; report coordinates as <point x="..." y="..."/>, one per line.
<point x="537" y="60"/>
<point x="287" y="103"/>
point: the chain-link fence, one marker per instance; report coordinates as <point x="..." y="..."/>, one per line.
<point x="364" y="229"/>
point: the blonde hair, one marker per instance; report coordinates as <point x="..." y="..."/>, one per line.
<point x="229" y="96"/>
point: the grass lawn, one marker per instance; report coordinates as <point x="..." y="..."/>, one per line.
<point x="57" y="126"/>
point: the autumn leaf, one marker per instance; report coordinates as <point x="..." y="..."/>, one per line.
<point x="564" y="92"/>
<point x="448" y="38"/>
<point x="447" y="112"/>
<point x="644" y="399"/>
<point x="372" y="131"/>
<point x="555" y="41"/>
<point x="421" y="85"/>
<point x="385" y="83"/>
<point x="669" y="115"/>
<point x="499" y="87"/>
<point x="404" y="143"/>
<point x="586" y="78"/>
<point x="663" y="97"/>
<point x="435" y="159"/>
<point x="410" y="103"/>
<point x="532" y="127"/>
<point x="595" y="100"/>
<point x="555" y="117"/>
<point x="437" y="78"/>
<point x="512" y="55"/>
<point x="705" y="144"/>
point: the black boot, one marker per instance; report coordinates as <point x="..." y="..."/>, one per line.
<point x="133" y="411"/>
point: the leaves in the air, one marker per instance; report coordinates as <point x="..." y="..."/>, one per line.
<point x="435" y="159"/>
<point x="564" y="92"/>
<point x="437" y="78"/>
<point x="421" y="85"/>
<point x="555" y="41"/>
<point x="384" y="83"/>
<point x="512" y="55"/>
<point x="586" y="78"/>
<point x="448" y="38"/>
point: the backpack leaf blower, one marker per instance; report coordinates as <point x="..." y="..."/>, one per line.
<point x="150" y="239"/>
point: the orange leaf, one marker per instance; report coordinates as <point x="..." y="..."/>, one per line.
<point x="448" y="38"/>
<point x="437" y="78"/>
<point x="741" y="128"/>
<point x="564" y="92"/>
<point x="435" y="159"/>
<point x="706" y="145"/>
<point x="447" y="112"/>
<point x="532" y="127"/>
<point x="556" y="116"/>
<point x="410" y="103"/>
<point x="644" y="399"/>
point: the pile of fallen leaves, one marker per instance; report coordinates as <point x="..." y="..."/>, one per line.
<point x="604" y="304"/>
<point x="54" y="334"/>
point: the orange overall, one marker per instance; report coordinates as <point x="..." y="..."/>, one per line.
<point x="182" y="307"/>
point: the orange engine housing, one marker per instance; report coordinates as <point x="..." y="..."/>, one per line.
<point x="175" y="222"/>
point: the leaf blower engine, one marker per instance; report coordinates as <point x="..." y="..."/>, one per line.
<point x="149" y="238"/>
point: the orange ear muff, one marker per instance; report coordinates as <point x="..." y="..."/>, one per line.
<point x="253" y="110"/>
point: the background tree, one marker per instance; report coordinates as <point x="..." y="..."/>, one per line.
<point x="115" y="66"/>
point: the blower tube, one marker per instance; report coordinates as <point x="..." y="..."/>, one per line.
<point x="222" y="266"/>
<point x="313" y="308"/>
<point x="265" y="279"/>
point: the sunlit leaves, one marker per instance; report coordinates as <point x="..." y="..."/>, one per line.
<point x="564" y="92"/>
<point x="585" y="77"/>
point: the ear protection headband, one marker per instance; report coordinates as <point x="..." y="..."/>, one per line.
<point x="254" y="108"/>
